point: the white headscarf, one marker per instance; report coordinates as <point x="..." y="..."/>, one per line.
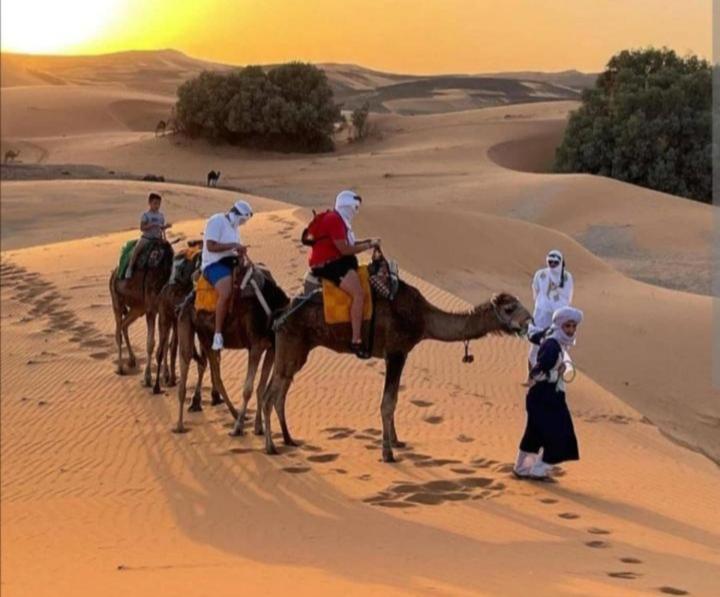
<point x="347" y="204"/>
<point x="561" y="316"/>
<point x="555" y="273"/>
<point x="240" y="213"/>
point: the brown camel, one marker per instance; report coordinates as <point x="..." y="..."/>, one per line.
<point x="399" y="326"/>
<point x="138" y="296"/>
<point x="11" y="155"/>
<point x="247" y="326"/>
<point x="171" y="297"/>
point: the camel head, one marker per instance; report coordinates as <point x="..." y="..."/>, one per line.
<point x="513" y="316"/>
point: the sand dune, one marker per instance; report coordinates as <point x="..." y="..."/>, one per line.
<point x="98" y="492"/>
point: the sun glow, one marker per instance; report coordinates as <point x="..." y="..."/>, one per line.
<point x="54" y="26"/>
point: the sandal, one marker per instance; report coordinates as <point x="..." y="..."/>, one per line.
<point x="359" y="350"/>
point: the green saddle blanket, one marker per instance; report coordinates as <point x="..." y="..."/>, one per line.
<point x="125" y="254"/>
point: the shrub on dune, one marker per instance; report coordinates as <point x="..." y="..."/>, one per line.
<point x="289" y="107"/>
<point x="647" y="121"/>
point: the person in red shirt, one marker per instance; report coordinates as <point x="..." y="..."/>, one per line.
<point x="332" y="257"/>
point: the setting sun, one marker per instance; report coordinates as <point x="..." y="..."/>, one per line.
<point x="38" y="26"/>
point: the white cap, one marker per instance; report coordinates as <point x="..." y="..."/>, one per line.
<point x="243" y="211"/>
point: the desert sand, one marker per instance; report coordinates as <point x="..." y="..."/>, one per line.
<point x="98" y="494"/>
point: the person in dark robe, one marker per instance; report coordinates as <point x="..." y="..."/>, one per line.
<point x="549" y="437"/>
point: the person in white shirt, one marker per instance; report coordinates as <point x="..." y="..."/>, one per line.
<point x="221" y="249"/>
<point x="552" y="288"/>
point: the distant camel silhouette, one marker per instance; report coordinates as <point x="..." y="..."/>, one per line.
<point x="160" y="128"/>
<point x="11" y="154"/>
<point x="212" y="178"/>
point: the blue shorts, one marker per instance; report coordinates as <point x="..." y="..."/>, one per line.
<point x="216" y="272"/>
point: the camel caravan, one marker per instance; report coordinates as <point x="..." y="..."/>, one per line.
<point x="210" y="296"/>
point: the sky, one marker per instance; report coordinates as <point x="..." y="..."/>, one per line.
<point x="410" y="36"/>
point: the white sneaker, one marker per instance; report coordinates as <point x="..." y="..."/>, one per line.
<point x="218" y="342"/>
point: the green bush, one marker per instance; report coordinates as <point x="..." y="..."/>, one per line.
<point x="647" y="121"/>
<point x="288" y="108"/>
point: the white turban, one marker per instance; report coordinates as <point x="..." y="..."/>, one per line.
<point x="561" y="316"/>
<point x="347" y="204"/>
<point x="555" y="273"/>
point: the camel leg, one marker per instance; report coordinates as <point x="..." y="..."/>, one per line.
<point x="150" y="320"/>
<point x="187" y="347"/>
<point x="161" y="354"/>
<point x="119" y="339"/>
<point x="278" y="386"/>
<point x="394" y="364"/>
<point x="196" y="404"/>
<point x="125" y="324"/>
<point x="267" y="366"/>
<point x="173" y="355"/>
<point x="217" y="381"/>
<point x="255" y="354"/>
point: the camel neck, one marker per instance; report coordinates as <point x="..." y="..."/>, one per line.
<point x="454" y="327"/>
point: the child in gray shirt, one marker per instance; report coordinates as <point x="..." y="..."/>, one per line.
<point x="152" y="227"/>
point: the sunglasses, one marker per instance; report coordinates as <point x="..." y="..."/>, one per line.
<point x="553" y="262"/>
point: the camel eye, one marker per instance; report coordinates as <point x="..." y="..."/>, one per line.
<point x="509" y="310"/>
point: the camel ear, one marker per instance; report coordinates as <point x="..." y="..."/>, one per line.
<point x="495" y="300"/>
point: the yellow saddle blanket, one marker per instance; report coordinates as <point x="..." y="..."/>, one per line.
<point x="336" y="302"/>
<point x="206" y="296"/>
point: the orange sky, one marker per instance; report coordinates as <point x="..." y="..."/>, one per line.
<point x="418" y="36"/>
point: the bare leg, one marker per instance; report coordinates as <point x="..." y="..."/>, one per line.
<point x="262" y="387"/>
<point x="150" y="320"/>
<point x="351" y="284"/>
<point x="393" y="371"/>
<point x="255" y="354"/>
<point x="224" y="289"/>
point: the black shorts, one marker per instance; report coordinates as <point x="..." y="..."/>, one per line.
<point x="335" y="270"/>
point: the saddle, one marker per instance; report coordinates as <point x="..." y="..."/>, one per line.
<point x="251" y="284"/>
<point x="150" y="256"/>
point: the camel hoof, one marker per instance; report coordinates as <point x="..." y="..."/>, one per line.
<point x="195" y="408"/>
<point x="216" y="399"/>
<point x="120" y="371"/>
<point x="172" y="383"/>
<point x="290" y="442"/>
<point x="271" y="450"/>
<point x="132" y="364"/>
<point x="236" y="433"/>
<point x="180" y="429"/>
<point x="388" y="456"/>
<point x="157" y="390"/>
<point x="399" y="444"/>
<point x="259" y="431"/>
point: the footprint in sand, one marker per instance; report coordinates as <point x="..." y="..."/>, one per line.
<point x="295" y="470"/>
<point x="99" y="355"/>
<point x="421" y="403"/>
<point x="597" y="544"/>
<point x="630" y="561"/>
<point x="310" y="448"/>
<point x="569" y="515"/>
<point x="340" y="471"/>
<point x="323" y="458"/>
<point x="464" y="439"/>
<point x="548" y="501"/>
<point x="672" y="591"/>
<point x="597" y="531"/>
<point x="434" y="420"/>
<point x="624" y="575"/>
<point x="463" y="471"/>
